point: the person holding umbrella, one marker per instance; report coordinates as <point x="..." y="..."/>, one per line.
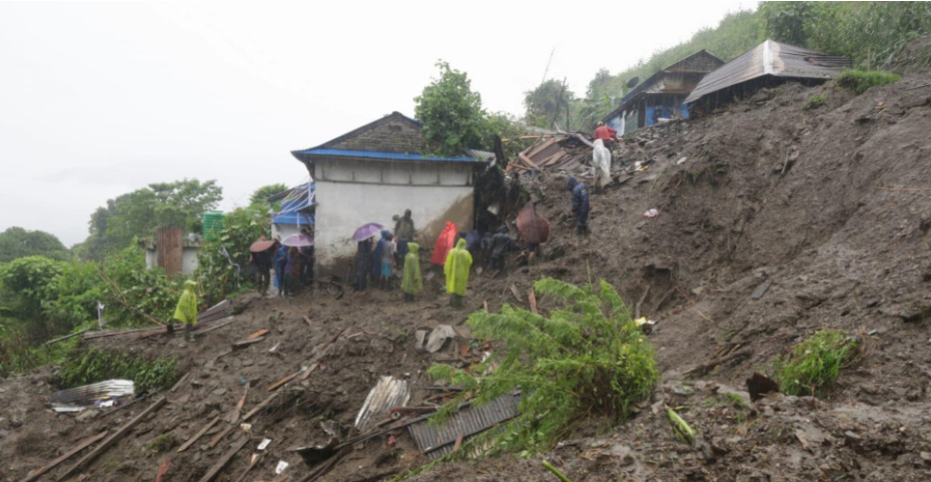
<point x="365" y="257"/>
<point x="262" y="253"/>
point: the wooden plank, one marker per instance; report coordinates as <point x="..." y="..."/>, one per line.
<point x="526" y="159"/>
<point x="307" y="320"/>
<point x="199" y="434"/>
<point x="281" y="382"/>
<point x="532" y="296"/>
<point x="260" y="406"/>
<point x="516" y="294"/>
<point x="112" y="439"/>
<point x="221" y="324"/>
<point x="257" y="334"/>
<point x="247" y="342"/>
<point x="61" y="338"/>
<point x="309" y="370"/>
<point x="233" y="416"/>
<point x="55" y="463"/>
<point x="220" y="436"/>
<point x="181" y="381"/>
<point x="458" y="441"/>
<point x="217" y="467"/>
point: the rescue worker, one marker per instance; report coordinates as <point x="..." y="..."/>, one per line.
<point x="364" y="257"/>
<point x="501" y="243"/>
<point x="601" y="155"/>
<point x="457" y="266"/>
<point x="186" y="311"/>
<point x="580" y="206"/>
<point x="411" y="280"/>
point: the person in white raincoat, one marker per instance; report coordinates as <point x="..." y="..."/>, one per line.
<point x="601" y="164"/>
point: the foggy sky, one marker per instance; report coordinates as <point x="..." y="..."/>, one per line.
<point x="100" y="99"/>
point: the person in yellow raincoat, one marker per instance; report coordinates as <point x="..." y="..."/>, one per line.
<point x="186" y="311"/>
<point x="411" y="280"/>
<point x="458" y="263"/>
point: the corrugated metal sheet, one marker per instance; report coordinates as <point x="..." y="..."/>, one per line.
<point x="770" y="58"/>
<point x="439" y="441"/>
<point x="75" y="399"/>
<point x="387" y="394"/>
<point x="388" y="156"/>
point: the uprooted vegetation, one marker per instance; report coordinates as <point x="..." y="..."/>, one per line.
<point x="94" y="365"/>
<point x="588" y="358"/>
<point x="858" y="81"/>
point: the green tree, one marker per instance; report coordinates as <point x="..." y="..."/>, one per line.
<point x="25" y="283"/>
<point x="222" y="263"/>
<point x="788" y="22"/>
<point x="260" y="196"/>
<point x="548" y="104"/>
<point x="17" y="242"/>
<point x="141" y="212"/>
<point x="452" y="113"/>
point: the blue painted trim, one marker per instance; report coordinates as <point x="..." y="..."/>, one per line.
<point x="398" y="156"/>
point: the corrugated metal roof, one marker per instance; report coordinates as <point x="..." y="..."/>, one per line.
<point x="388" y="156"/>
<point x="387" y="394"/>
<point x="438" y="441"/>
<point x="771" y="58"/>
<point x="75" y="399"/>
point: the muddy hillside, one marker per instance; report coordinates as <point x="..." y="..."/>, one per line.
<point x="775" y="219"/>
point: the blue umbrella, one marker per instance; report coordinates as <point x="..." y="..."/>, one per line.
<point x="367" y="231"/>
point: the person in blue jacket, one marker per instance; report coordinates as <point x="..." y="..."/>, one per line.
<point x="580" y="206"/>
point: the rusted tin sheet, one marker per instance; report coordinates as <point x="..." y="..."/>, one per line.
<point x="79" y="398"/>
<point x="438" y="441"/>
<point x="388" y="393"/>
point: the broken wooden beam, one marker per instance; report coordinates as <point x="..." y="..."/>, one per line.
<point x="247" y="342"/>
<point x="532" y="296"/>
<point x="112" y="439"/>
<point x="55" y="463"/>
<point x="309" y="370"/>
<point x="260" y="406"/>
<point x="199" y="434"/>
<point x="281" y="382"/>
<point x="217" y="467"/>
<point x="62" y="338"/>
<point x="233" y="416"/>
<point x="220" y="436"/>
<point x="216" y="325"/>
<point x="259" y="333"/>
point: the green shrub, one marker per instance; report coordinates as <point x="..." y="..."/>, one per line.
<point x="814" y="102"/>
<point x="98" y="365"/>
<point x="586" y="359"/>
<point x="859" y="81"/>
<point x="221" y="263"/>
<point x="814" y="362"/>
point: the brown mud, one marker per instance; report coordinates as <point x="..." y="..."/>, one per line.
<point x="779" y="221"/>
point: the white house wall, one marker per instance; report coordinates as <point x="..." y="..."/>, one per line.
<point x="350" y="194"/>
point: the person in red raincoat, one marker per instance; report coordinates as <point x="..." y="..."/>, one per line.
<point x="444" y="244"/>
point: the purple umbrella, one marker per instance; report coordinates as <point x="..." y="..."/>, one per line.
<point x="367" y="231"/>
<point x="298" y="240"/>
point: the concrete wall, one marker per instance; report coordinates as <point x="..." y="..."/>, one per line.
<point x="352" y="193"/>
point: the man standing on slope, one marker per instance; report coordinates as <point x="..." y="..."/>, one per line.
<point x="601" y="155"/>
<point x="580" y="206"/>
<point x="404" y="232"/>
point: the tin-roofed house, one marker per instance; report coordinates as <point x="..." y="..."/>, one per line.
<point x="293" y="210"/>
<point x="662" y="95"/>
<point x="767" y="65"/>
<point x="375" y="172"/>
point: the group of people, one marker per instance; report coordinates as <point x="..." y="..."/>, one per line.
<point x="293" y="266"/>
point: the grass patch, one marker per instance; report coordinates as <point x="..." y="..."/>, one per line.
<point x="161" y="444"/>
<point x="814" y="102"/>
<point x="586" y="359"/>
<point x="93" y="366"/>
<point x="859" y="81"/>
<point x="815" y="362"/>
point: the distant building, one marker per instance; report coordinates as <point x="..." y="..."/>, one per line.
<point x="171" y="251"/>
<point x="376" y="172"/>
<point x="662" y="96"/>
<point x="294" y="210"/>
<point x="769" y="64"/>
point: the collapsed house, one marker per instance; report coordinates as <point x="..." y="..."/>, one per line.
<point x="767" y="65"/>
<point x="662" y="96"/>
<point x="376" y="172"/>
